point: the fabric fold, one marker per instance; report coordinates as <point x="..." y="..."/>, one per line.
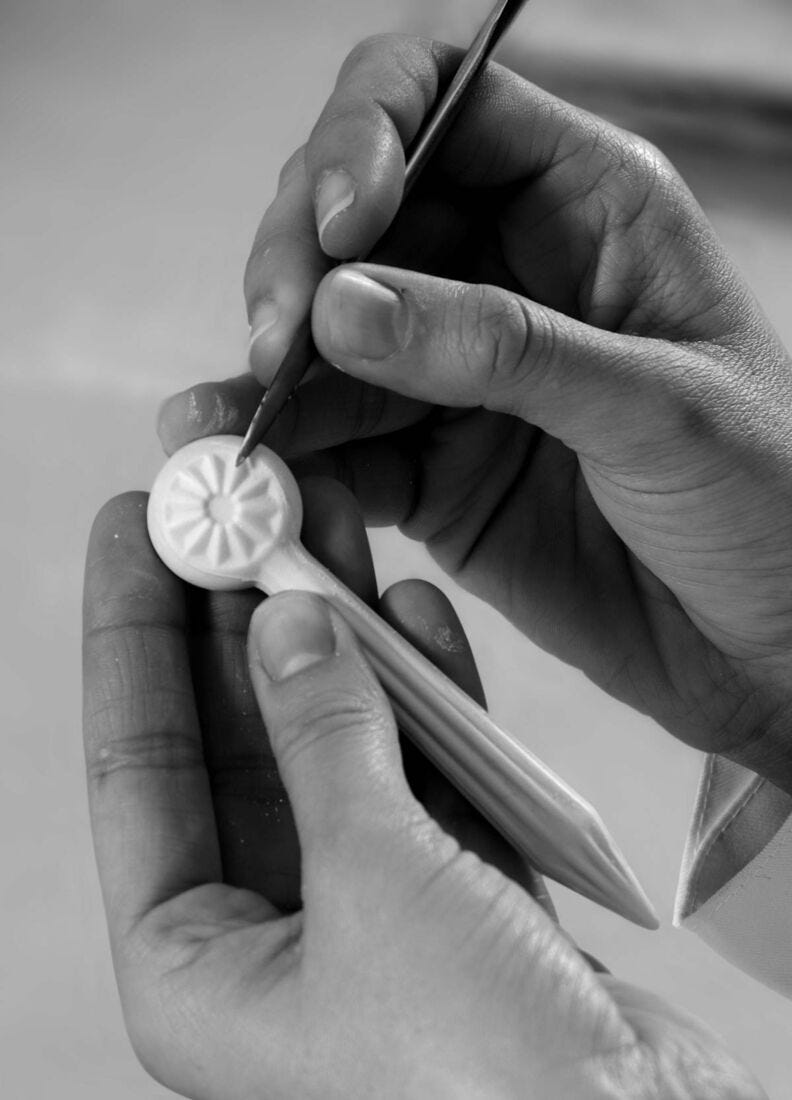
<point x="735" y="884"/>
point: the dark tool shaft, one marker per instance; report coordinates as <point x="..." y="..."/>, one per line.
<point x="301" y="350"/>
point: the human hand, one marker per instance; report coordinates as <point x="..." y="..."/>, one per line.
<point x="585" y="416"/>
<point x="414" y="968"/>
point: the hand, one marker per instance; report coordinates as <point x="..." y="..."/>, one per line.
<point x="583" y="413"/>
<point x="414" y="968"/>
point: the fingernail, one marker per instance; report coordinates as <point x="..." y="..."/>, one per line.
<point x="335" y="193"/>
<point x="265" y="315"/>
<point x="365" y="318"/>
<point x="293" y="632"/>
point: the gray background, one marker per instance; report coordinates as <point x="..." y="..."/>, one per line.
<point x="140" y="143"/>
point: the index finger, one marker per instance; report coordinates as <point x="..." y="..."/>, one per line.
<point x="336" y="196"/>
<point x="340" y="193"/>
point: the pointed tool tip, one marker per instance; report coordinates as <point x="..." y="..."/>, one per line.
<point x="641" y="911"/>
<point x="615" y="884"/>
<point x="634" y="903"/>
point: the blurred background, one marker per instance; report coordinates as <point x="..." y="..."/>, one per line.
<point x="140" y="144"/>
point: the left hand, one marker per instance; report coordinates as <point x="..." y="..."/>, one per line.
<point x="413" y="969"/>
<point x="180" y="653"/>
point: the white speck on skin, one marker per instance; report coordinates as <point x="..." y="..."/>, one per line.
<point x="446" y="639"/>
<point x="443" y="637"/>
<point x="193" y="415"/>
<point x="223" y="416"/>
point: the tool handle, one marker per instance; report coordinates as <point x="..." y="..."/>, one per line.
<point x="448" y="107"/>
<point x="526" y="801"/>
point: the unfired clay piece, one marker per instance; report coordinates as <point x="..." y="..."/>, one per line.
<point x="223" y="527"/>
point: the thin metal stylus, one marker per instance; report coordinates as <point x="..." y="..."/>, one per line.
<point x="301" y="350"/>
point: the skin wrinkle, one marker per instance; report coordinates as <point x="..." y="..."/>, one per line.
<point x="596" y="553"/>
<point x="416" y="78"/>
<point x="524" y="450"/>
<point x="695" y="707"/>
<point x="163" y="751"/>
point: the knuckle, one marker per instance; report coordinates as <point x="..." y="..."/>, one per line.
<point x="647" y="180"/>
<point x="341" y="123"/>
<point x="647" y="162"/>
<point x="272" y="251"/>
<point x="491" y="337"/>
<point x="294" y="166"/>
<point x="393" y="73"/>
<point x="373" y="48"/>
<point x="329" y="714"/>
<point x="149" y="751"/>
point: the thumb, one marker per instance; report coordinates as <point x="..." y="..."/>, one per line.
<point x="331" y="727"/>
<point x="460" y="344"/>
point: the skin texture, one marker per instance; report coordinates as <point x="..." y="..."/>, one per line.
<point x="559" y="384"/>
<point x="571" y="398"/>
<point x="287" y="919"/>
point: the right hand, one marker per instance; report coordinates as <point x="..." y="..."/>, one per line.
<point x="578" y="408"/>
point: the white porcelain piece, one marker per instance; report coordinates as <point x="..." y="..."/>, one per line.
<point x="224" y="527"/>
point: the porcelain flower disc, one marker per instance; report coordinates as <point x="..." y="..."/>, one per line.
<point x="222" y="518"/>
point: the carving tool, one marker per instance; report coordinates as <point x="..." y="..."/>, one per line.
<point x="223" y="527"/>
<point x="301" y="350"/>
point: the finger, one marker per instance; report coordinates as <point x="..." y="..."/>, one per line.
<point x="385" y="89"/>
<point x="151" y="806"/>
<point x="600" y="213"/>
<point x="382" y="474"/>
<point x="337" y="196"/>
<point x="355" y="155"/>
<point x="426" y="617"/>
<point x="686" y="1056"/>
<point x="326" y="411"/>
<point x="334" y="532"/>
<point x="467" y="345"/>
<point x="285" y="266"/>
<point x="255" y="824"/>
<point x="331" y="727"/>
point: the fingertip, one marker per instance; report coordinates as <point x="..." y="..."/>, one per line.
<point x="116" y="518"/>
<point x="210" y="408"/>
<point x="176" y="420"/>
<point x="426" y="617"/>
<point x="124" y="578"/>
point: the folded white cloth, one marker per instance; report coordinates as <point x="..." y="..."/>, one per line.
<point x="735" y="886"/>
